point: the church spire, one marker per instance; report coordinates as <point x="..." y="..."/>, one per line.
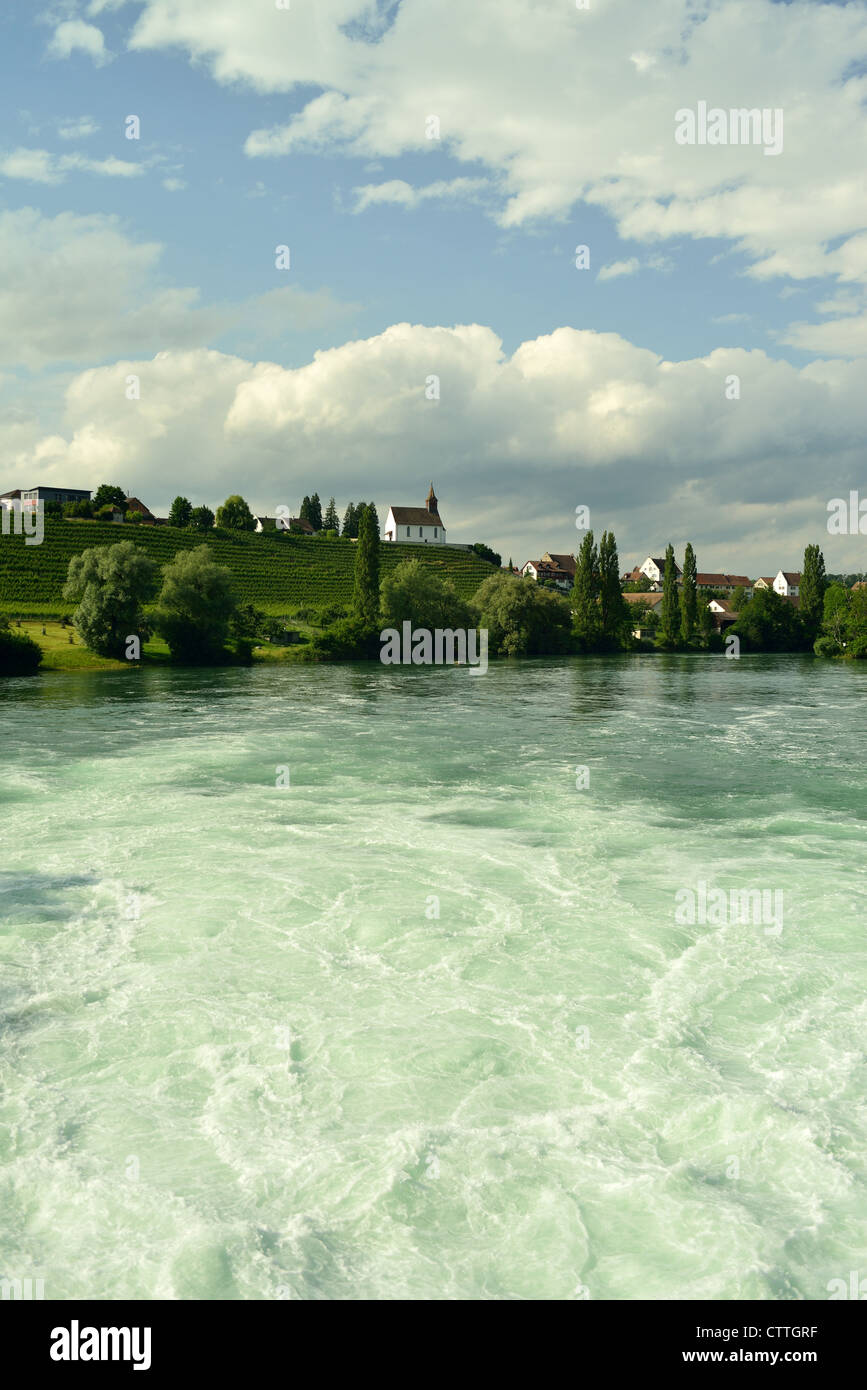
<point x="432" y="504"/>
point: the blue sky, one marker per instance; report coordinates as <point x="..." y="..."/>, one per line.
<point x="307" y="127"/>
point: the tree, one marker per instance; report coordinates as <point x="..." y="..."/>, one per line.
<point x="195" y="606"/>
<point x="738" y="598"/>
<point x="522" y="619"/>
<point x="413" y="592"/>
<point x="813" y="586"/>
<point x="669" y="624"/>
<point x="613" y="611"/>
<point x="350" y="521"/>
<point x="134" y="518"/>
<point x="109" y="495"/>
<point x="585" y="594"/>
<point x="688" y="596"/>
<point x="705" y="622"/>
<point x="365" y="593"/>
<point x="305" y="510"/>
<point x="488" y="554"/>
<point x="315" y="517"/>
<point x="331" y="521"/>
<point x="201" y="519"/>
<point x="770" y="623"/>
<point x="180" y="512"/>
<point x="81" y="508"/>
<point x="110" y="583"/>
<point x="235" y="515"/>
<point x="105" y="513"/>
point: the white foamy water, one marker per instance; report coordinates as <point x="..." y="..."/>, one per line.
<point x="423" y="1023"/>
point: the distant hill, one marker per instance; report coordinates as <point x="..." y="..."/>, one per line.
<point x="277" y="572"/>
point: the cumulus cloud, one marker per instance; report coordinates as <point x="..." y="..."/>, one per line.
<point x="514" y="443"/>
<point x="564" y="105"/>
<point x="75" y="36"/>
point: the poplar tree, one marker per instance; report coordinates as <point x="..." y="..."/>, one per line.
<point x="585" y="592"/>
<point x="670" y="621"/>
<point x="350" y="521"/>
<point x="365" y="594"/>
<point x="813" y="586"/>
<point x="612" y="605"/>
<point x="688" y="596"/>
<point x="315" y="517"/>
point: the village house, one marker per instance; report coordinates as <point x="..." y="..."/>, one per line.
<point x="726" y="583"/>
<point x="560" y="569"/>
<point x="722" y="613"/>
<point x="652" y="603"/>
<point x="134" y="504"/>
<point x="787" y="584"/>
<point x="416" y="525"/>
<point x="31" y="497"/>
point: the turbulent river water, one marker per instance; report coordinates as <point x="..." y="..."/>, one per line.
<point x="348" y="982"/>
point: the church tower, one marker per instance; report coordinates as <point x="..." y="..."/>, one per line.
<point x="432" y="504"/>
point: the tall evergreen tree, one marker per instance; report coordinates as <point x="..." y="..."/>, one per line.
<point x="331" y="521"/>
<point x="612" y="604"/>
<point x="365" y="594"/>
<point x="304" y="513"/>
<point x="585" y="592"/>
<point x="813" y="586"/>
<point x="350" y="521"/>
<point x="670" y="621"/>
<point x="315" y="517"/>
<point x="688" y="595"/>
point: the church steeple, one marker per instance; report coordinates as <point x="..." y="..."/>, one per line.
<point x="432" y="504"/>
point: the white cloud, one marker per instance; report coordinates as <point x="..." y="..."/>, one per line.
<point x="74" y="36"/>
<point x="564" y="105"/>
<point x="615" y="269"/>
<point x="78" y="128"/>
<point x="514" y="443"/>
<point x="172" y="185"/>
<point x="42" y="166"/>
<point x="402" y="194"/>
<point x="111" y="298"/>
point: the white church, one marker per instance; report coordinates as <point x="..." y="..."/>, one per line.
<point x="416" y="525"/>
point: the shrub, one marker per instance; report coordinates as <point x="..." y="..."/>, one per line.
<point x="19" y="654"/>
<point x="350" y="639"/>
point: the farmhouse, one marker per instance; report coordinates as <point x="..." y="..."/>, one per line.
<point x="416" y="525"/>
<point x="558" y="568"/>
<point x="133" y="504"/>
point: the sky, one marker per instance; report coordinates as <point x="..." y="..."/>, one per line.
<point x="698" y="371"/>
